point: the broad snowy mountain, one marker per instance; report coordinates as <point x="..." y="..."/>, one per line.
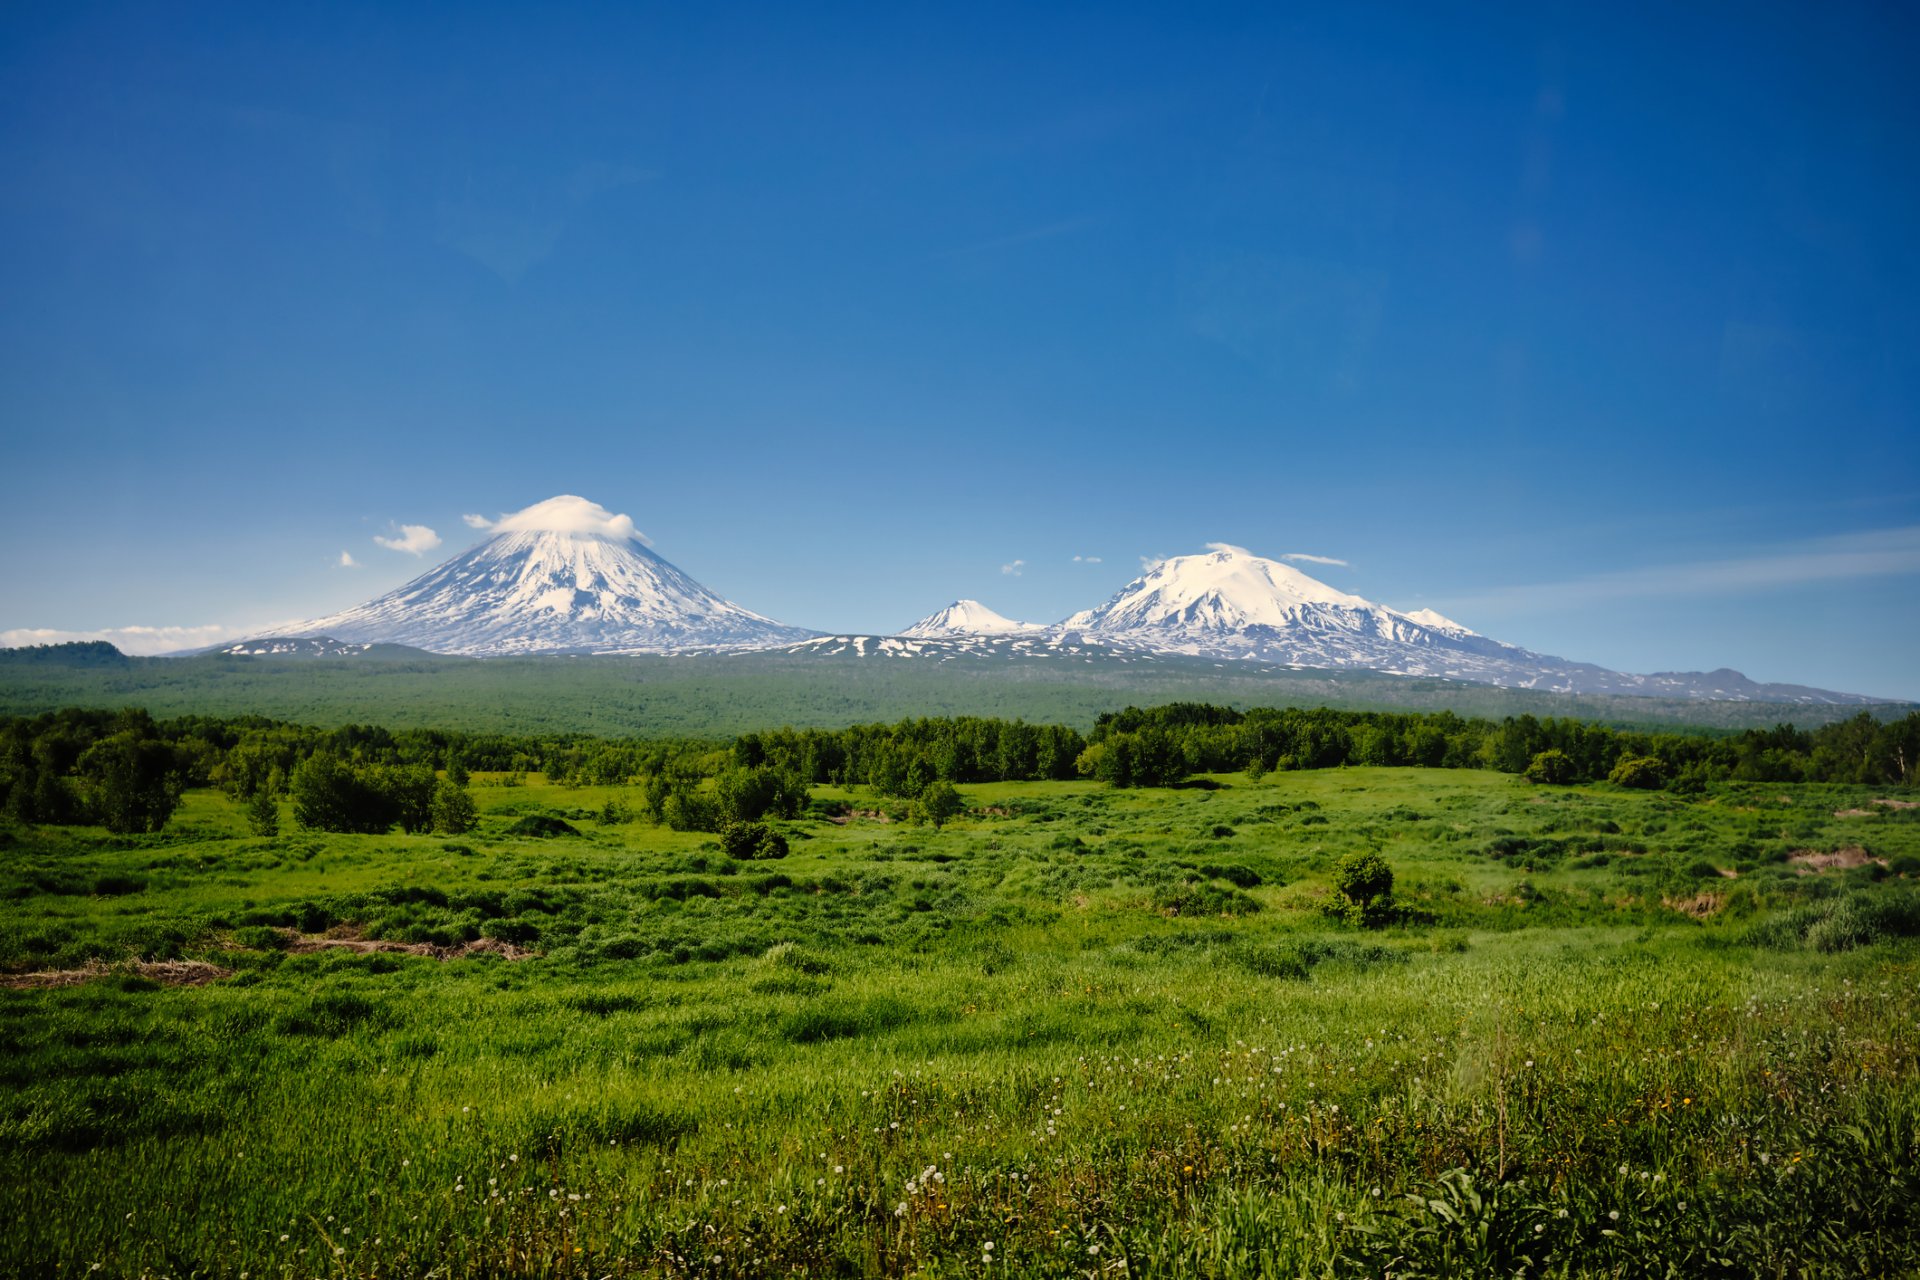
<point x="562" y="576"/>
<point x="1230" y="603"/>
<point x="969" y="618"/>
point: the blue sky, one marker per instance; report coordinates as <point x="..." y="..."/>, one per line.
<point x="1591" y="326"/>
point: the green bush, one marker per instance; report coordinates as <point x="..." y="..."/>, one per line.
<point x="1553" y="767"/>
<point x="1640" y="773"/>
<point x="752" y="840"/>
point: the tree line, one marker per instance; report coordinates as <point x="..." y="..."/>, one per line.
<point x="126" y="771"/>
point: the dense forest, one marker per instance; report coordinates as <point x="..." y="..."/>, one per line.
<point x="125" y="770"/>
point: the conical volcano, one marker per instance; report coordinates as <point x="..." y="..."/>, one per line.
<point x="562" y="576"/>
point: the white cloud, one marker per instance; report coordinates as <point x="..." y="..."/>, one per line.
<point x="347" y="561"/>
<point x="1313" y="559"/>
<point x="477" y="522"/>
<point x="1149" y="563"/>
<point x="1086" y="559"/>
<point x="1228" y="548"/>
<point x="142" y="640"/>
<point x="1878" y="553"/>
<point x="1013" y="568"/>
<point x="569" y="514"/>
<point x="414" y="539"/>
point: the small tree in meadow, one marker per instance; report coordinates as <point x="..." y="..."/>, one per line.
<point x="939" y="802"/>
<point x="263" y="813"/>
<point x="453" y="809"/>
<point x="1364" y="884"/>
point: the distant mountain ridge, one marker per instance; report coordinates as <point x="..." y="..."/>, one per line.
<point x="566" y="576"/>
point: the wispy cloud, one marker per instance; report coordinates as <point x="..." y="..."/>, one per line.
<point x="1149" y="563"/>
<point x="347" y="561"/>
<point x="143" y="640"/>
<point x="1309" y="558"/>
<point x="414" y="539"/>
<point x="1086" y="559"/>
<point x="1013" y="568"/>
<point x="1878" y="553"/>
<point x="477" y="521"/>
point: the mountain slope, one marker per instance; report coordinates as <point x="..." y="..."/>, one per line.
<point x="562" y="576"/>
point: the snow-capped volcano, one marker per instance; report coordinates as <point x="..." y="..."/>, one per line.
<point x="1230" y="603"/>
<point x="969" y="618"/>
<point x="562" y="576"/>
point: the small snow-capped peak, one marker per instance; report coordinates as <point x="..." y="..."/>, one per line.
<point x="1433" y="621"/>
<point x="968" y="618"/>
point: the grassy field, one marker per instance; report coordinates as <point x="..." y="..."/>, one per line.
<point x="1075" y="1032"/>
<point x="735" y="693"/>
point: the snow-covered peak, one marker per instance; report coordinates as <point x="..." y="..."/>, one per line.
<point x="1225" y="588"/>
<point x="968" y="618"/>
<point x="570" y="514"/>
<point x="561" y="576"/>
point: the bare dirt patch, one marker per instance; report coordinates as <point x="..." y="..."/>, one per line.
<point x="345" y="940"/>
<point x="1853" y="813"/>
<point x="1899" y="804"/>
<point x="1811" y="861"/>
<point x="171" y="973"/>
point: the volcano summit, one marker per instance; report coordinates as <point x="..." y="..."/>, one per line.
<point x="562" y="576"/>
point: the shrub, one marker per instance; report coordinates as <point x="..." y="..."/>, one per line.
<point x="1641" y="773"/>
<point x="1553" y="767"/>
<point x="752" y="840"/>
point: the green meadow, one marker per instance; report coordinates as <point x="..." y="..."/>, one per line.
<point x="1076" y="1031"/>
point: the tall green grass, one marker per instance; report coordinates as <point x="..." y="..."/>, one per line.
<point x="1030" y="1030"/>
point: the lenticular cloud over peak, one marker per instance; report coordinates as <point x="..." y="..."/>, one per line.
<point x="570" y="514"/>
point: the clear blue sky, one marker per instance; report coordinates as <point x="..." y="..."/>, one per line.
<point x="1594" y="327"/>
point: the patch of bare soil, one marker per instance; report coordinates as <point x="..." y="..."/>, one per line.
<point x="1809" y="861"/>
<point x="1900" y="804"/>
<point x="1853" y="813"/>
<point x="345" y="940"/>
<point x="172" y="973"/>
<point x="1699" y="906"/>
